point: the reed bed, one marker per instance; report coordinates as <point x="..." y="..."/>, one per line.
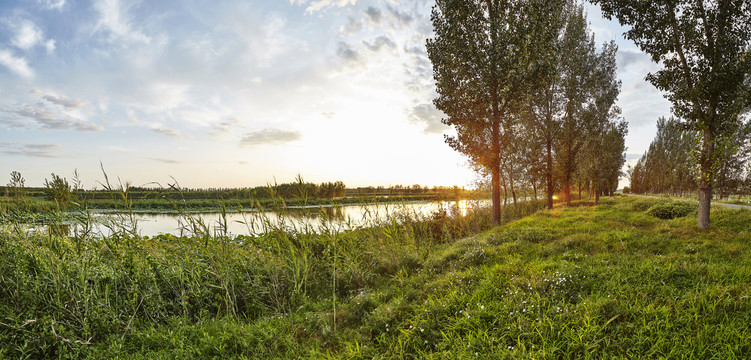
<point x="606" y="281"/>
<point x="86" y="294"/>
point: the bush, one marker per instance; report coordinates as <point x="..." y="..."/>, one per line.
<point x="671" y="210"/>
<point x="645" y="204"/>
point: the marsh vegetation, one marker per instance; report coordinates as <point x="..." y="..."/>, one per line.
<point x="571" y="282"/>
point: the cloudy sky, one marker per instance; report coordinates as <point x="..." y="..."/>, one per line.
<point x="235" y="93"/>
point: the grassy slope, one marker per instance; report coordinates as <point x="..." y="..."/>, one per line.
<point x="599" y="282"/>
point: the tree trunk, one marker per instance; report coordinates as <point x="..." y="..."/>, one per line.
<point x="549" y="172"/>
<point x="534" y="188"/>
<point x="705" y="179"/>
<point x="580" y="190"/>
<point x="496" y="173"/>
<point x="597" y="191"/>
<point x="505" y="190"/>
<point x="705" y="201"/>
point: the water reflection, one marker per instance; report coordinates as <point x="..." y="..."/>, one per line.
<point x="309" y="219"/>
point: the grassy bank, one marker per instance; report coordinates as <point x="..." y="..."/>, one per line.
<point x="609" y="281"/>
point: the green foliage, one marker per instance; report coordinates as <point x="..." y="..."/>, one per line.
<point x="667" y="166"/>
<point x="58" y="190"/>
<point x="578" y="282"/>
<point x="203" y="294"/>
<point x="644" y="204"/>
<point x="671" y="210"/>
<point x="16" y="185"/>
<point x="482" y="55"/>
<point x="703" y="50"/>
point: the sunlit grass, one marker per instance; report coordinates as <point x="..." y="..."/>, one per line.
<point x="607" y="281"/>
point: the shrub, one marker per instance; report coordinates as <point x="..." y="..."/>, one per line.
<point x="671" y="210"/>
<point x="645" y="204"/>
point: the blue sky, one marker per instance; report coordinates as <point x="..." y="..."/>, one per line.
<point x="236" y="93"/>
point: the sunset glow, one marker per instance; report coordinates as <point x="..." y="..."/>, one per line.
<point x="241" y="93"/>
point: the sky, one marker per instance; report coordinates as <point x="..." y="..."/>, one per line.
<point x="240" y="93"/>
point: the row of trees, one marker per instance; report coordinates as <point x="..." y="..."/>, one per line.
<point x="57" y="189"/>
<point x="513" y="73"/>
<point x="531" y="98"/>
<point x="668" y="166"/>
<point x="301" y="189"/>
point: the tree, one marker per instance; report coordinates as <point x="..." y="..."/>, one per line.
<point x="604" y="142"/>
<point x="579" y="62"/>
<point x="58" y="190"/>
<point x="735" y="152"/>
<point x="545" y="106"/>
<point x="703" y="47"/>
<point x="16" y="185"/>
<point x="481" y="66"/>
<point x="613" y="155"/>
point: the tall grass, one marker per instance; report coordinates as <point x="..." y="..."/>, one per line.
<point x="606" y="281"/>
<point x="85" y="294"/>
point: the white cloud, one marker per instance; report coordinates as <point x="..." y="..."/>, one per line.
<point x="270" y="137"/>
<point x="321" y="4"/>
<point x="352" y="27"/>
<point x="50" y="46"/>
<point x="18" y="65"/>
<point x="114" y="19"/>
<point x="226" y="128"/>
<point x="161" y="129"/>
<point x="167" y="161"/>
<point x="379" y="43"/>
<point x="53" y="4"/>
<point x="52" y="120"/>
<point x="30" y="150"/>
<point x="27" y="35"/>
<point x="428" y="116"/>
<point x="374" y="14"/>
<point x="66" y="102"/>
<point x="346" y="52"/>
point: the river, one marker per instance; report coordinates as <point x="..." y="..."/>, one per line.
<point x="317" y="219"/>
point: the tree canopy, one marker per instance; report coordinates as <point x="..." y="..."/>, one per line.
<point x="525" y="89"/>
<point x="703" y="47"/>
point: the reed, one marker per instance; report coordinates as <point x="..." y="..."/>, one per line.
<point x="606" y="281"/>
<point x="82" y="294"/>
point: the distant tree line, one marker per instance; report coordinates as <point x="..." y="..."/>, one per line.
<point x="669" y="165"/>
<point x="62" y="192"/>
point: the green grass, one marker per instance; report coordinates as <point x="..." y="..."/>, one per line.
<point x="608" y="281"/>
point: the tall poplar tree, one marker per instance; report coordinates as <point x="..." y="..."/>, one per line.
<point x="545" y="106"/>
<point x="579" y="84"/>
<point x="481" y="66"/>
<point x="703" y="47"/>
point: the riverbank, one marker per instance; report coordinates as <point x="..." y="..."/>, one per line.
<point x="606" y="281"/>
